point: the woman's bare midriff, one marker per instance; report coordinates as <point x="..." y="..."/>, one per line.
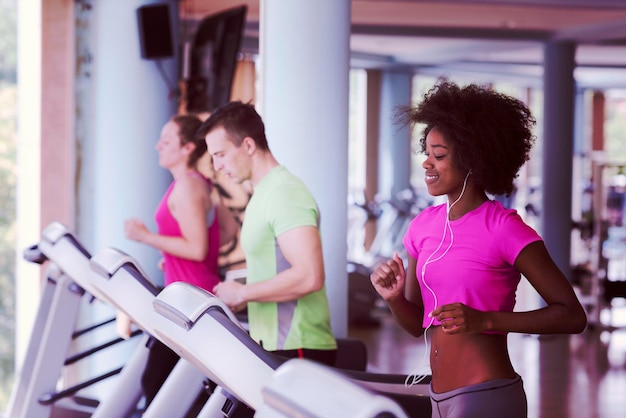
<point x="466" y="359"/>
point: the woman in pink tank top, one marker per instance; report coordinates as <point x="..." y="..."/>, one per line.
<point x="188" y="235"/>
<point x="188" y="220"/>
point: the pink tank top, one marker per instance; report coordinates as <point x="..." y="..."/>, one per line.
<point x="204" y="273"/>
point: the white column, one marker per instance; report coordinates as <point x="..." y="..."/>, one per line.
<point x="558" y="149"/>
<point x="124" y="102"/>
<point x="130" y="104"/>
<point x="395" y="141"/>
<point x="304" y="56"/>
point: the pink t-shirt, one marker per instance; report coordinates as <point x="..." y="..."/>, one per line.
<point x="477" y="269"/>
<point x="204" y="273"/>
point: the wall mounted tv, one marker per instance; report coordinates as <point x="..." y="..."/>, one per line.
<point x="213" y="59"/>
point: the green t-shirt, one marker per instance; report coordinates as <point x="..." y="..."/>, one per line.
<point x="281" y="202"/>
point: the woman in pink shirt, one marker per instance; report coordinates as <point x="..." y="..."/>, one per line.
<point x="466" y="257"/>
<point x="191" y="224"/>
<point x="188" y="218"/>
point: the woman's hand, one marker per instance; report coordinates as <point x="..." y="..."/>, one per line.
<point x="135" y="229"/>
<point x="457" y="318"/>
<point x="123" y="325"/>
<point x="388" y="278"/>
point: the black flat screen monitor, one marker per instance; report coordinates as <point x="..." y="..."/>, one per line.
<point x="214" y="58"/>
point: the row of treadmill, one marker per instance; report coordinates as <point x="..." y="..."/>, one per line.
<point x="219" y="362"/>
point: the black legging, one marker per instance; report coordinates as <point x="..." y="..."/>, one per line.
<point x="161" y="361"/>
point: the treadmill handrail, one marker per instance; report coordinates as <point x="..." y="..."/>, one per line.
<point x="56" y="230"/>
<point x="108" y="261"/>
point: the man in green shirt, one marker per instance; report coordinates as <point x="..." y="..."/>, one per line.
<point x="285" y="294"/>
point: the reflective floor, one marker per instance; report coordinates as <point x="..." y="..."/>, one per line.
<point x="564" y="376"/>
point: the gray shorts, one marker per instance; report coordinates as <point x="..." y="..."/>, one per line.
<point x="495" y="398"/>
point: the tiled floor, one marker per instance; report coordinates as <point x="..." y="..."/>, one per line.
<point x="580" y="376"/>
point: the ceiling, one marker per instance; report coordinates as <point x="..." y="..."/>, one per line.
<point x="494" y="39"/>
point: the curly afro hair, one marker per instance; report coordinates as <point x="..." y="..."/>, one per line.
<point x="490" y="131"/>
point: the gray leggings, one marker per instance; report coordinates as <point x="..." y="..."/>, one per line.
<point x="495" y="398"/>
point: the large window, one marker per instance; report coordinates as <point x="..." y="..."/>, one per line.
<point x="615" y="125"/>
<point x="357" y="134"/>
<point x="8" y="37"/>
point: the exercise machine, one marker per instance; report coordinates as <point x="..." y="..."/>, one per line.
<point x="306" y="389"/>
<point x="208" y="335"/>
<point x="119" y="277"/>
<point x="215" y="348"/>
<point x="114" y="278"/>
<point x="39" y="389"/>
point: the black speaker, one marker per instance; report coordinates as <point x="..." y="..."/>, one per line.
<point x="155" y="32"/>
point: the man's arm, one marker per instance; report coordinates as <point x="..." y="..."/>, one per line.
<point x="302" y="248"/>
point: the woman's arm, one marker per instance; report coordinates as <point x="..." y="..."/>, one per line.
<point x="401" y="292"/>
<point x="563" y="314"/>
<point x="189" y="203"/>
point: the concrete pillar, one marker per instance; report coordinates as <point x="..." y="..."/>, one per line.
<point x="130" y="102"/>
<point x="394" y="141"/>
<point x="123" y="102"/>
<point x="558" y="144"/>
<point x="580" y="170"/>
<point x="372" y="139"/>
<point x="304" y="83"/>
<point x="597" y="120"/>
